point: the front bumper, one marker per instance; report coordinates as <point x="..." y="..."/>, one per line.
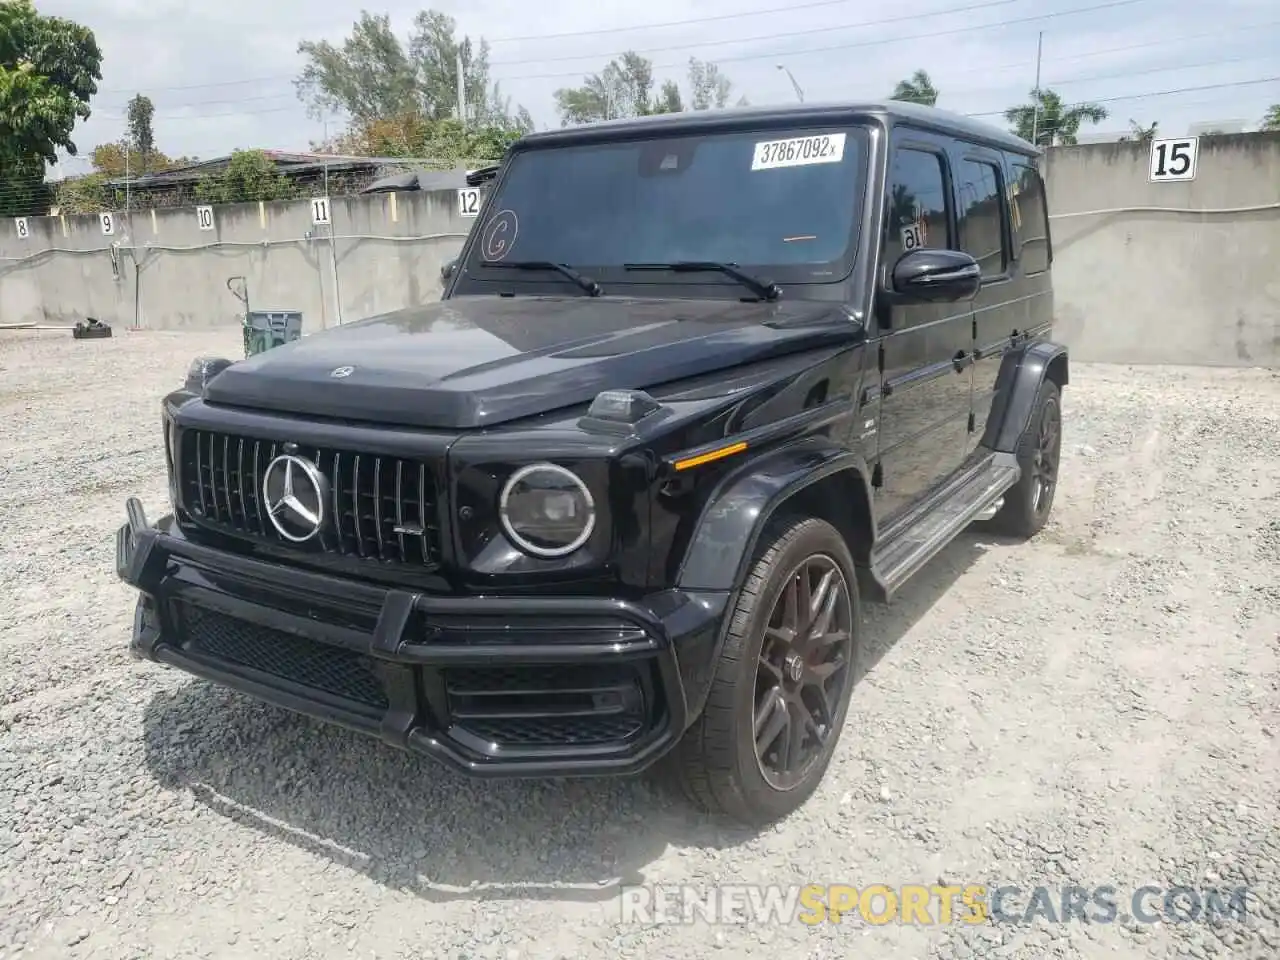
<point x="494" y="686"/>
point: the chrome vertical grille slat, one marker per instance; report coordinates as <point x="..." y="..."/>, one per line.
<point x="244" y="506"/>
<point x="227" y="495"/>
<point x="257" y="487"/>
<point x="422" y="506"/>
<point x="377" y="504"/>
<point x="355" y="504"/>
<point x="213" y="479"/>
<point x="226" y="478"/>
<point x="199" y="478"/>
<point x="335" y="486"/>
<point x="400" y="505"/>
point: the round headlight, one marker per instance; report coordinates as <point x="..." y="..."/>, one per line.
<point x="547" y="510"/>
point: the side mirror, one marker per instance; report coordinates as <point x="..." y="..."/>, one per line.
<point x="937" y="276"/>
<point x="447" y="268"/>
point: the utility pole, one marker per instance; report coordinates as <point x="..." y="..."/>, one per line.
<point x="462" y="92"/>
<point x="1035" y="109"/>
<point x="326" y="155"/>
<point x="127" y="174"/>
<point x="794" y="86"/>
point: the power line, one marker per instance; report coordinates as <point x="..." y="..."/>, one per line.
<point x="971" y="28"/>
<point x="950" y="91"/>
<point x="1148" y="44"/>
<point x="671" y="23"/>
<point x="1153" y="93"/>
<point x="1052" y="83"/>
<point x="12" y="189"/>
<point x="1230" y="85"/>
<point x="1139" y="73"/>
<point x="768" y="37"/>
<point x="726" y="16"/>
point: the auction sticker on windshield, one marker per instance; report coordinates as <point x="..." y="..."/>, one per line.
<point x="798" y="151"/>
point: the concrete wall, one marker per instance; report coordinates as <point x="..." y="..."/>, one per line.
<point x="1172" y="285"/>
<point x="1168" y="285"/>
<point x="161" y="271"/>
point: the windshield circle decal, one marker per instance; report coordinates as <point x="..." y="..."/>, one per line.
<point x="500" y="235"/>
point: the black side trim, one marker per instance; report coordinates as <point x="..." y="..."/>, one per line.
<point x="1021" y="373"/>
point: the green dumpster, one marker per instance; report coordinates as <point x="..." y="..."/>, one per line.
<point x="264" y="329"/>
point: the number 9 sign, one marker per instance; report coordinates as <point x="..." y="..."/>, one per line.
<point x="108" y="222"/>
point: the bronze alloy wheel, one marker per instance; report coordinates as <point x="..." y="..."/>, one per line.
<point x="803" y="668"/>
<point x="1044" y="464"/>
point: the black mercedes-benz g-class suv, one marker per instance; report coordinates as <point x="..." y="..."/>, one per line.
<point x="696" y="384"/>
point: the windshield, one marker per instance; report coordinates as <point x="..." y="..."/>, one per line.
<point x="783" y="202"/>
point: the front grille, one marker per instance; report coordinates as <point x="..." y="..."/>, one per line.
<point x="383" y="508"/>
<point x="320" y="666"/>
<point x="551" y="705"/>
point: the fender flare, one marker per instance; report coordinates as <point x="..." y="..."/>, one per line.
<point x="735" y="516"/>
<point x="1021" y="374"/>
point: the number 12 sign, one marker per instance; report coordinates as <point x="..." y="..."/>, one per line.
<point x="1173" y="160"/>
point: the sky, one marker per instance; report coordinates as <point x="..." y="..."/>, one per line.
<point x="220" y="74"/>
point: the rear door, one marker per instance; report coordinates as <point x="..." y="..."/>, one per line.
<point x="983" y="232"/>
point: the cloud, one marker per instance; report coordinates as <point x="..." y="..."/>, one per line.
<point x="220" y="75"/>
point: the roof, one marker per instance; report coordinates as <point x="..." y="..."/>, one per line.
<point x="285" y="163"/>
<point x="420" y="180"/>
<point x="707" y="121"/>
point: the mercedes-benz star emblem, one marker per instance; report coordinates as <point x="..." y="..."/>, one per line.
<point x="294" y="490"/>
<point x="341" y="372"/>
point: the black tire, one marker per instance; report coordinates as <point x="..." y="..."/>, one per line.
<point x="1027" y="504"/>
<point x="717" y="761"/>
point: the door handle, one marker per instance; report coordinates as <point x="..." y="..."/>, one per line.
<point x="961" y="360"/>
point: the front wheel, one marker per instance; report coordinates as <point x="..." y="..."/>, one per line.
<point x="783" y="681"/>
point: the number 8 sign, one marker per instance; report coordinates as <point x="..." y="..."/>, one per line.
<point x="21" y="226"/>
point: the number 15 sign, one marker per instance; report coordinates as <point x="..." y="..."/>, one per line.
<point x="1173" y="160"/>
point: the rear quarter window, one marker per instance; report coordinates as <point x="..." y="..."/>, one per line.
<point x="1030" y="213"/>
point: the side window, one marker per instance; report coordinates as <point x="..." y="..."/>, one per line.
<point x="1030" y="218"/>
<point x="917" y="203"/>
<point x="981" y="220"/>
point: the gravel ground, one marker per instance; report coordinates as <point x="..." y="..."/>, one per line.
<point x="1098" y="707"/>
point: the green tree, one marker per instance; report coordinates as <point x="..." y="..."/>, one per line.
<point x="624" y="88"/>
<point x="918" y="88"/>
<point x="668" y="99"/>
<point x="621" y="89"/>
<point x="49" y="70"/>
<point x="110" y="159"/>
<point x="142" y="137"/>
<point x="1139" y="133"/>
<point x="414" y="136"/>
<point x="708" y="87"/>
<point x="1272" y="120"/>
<point x="250" y="175"/>
<point x="87" y="194"/>
<point x="1055" y="123"/>
<point x="373" y="76"/>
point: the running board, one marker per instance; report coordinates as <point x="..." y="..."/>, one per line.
<point x="908" y="545"/>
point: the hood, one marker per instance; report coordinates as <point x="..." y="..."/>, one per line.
<point x="472" y="362"/>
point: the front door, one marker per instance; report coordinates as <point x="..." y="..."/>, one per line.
<point x="924" y="406"/>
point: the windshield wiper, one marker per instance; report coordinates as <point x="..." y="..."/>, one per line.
<point x="586" y="283"/>
<point x="764" y="289"/>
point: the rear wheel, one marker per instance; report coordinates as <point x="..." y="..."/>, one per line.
<point x="782" y="685"/>
<point x="1027" y="504"/>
